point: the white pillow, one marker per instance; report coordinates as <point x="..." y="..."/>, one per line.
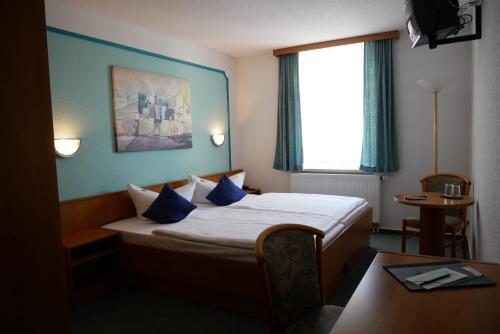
<point x="186" y="191"/>
<point x="238" y="179"/>
<point x="143" y="198"/>
<point x="204" y="187"/>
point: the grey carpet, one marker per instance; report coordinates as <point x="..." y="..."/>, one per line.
<point x="390" y="241"/>
<point x="133" y="311"/>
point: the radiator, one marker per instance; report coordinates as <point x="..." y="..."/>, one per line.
<point x="363" y="186"/>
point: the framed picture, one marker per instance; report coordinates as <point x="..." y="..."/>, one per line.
<point x="151" y="111"/>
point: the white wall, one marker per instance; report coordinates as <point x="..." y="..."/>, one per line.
<point x="79" y="20"/>
<point x="486" y="135"/>
<point x="256" y="120"/>
<point x="414" y="113"/>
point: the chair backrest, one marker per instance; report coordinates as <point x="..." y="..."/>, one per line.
<point x="289" y="257"/>
<point x="436" y="183"/>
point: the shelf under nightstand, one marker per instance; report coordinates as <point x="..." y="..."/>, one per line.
<point x="92" y="262"/>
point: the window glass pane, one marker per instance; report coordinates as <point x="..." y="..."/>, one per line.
<point x="331" y="101"/>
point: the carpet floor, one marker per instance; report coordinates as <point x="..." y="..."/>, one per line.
<point x="128" y="310"/>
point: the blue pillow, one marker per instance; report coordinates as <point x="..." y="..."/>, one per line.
<point x="169" y="207"/>
<point x="226" y="192"/>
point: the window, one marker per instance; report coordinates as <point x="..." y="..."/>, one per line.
<point x="331" y="101"/>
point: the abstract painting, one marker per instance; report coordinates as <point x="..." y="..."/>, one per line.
<point x="151" y="111"/>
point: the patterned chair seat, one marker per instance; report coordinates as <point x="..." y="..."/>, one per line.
<point x="318" y="321"/>
<point x="451" y="220"/>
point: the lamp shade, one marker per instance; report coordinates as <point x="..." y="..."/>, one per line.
<point x="218" y="139"/>
<point x="67" y="148"/>
<point x="436" y="84"/>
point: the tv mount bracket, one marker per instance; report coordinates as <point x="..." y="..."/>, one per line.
<point x="433" y="43"/>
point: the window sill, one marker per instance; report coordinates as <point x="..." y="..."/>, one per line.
<point x="335" y="171"/>
<point x="339" y="172"/>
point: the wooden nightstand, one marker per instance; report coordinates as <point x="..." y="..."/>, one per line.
<point x="254" y="191"/>
<point x="92" y="262"/>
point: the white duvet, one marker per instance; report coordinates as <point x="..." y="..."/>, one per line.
<point x="239" y="224"/>
<point x="335" y="207"/>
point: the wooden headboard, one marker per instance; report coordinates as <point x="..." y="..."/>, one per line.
<point x="79" y="214"/>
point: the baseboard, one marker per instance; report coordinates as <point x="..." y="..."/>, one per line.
<point x="388" y="231"/>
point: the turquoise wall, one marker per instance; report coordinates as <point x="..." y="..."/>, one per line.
<point x="80" y="75"/>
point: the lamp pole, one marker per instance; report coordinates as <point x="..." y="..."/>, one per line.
<point x="435" y="85"/>
<point x="436" y="132"/>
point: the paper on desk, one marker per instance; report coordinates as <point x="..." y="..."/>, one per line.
<point x="422" y="278"/>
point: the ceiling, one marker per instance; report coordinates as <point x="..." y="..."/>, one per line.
<point x="242" y="28"/>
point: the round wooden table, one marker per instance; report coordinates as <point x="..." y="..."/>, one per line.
<point x="432" y="218"/>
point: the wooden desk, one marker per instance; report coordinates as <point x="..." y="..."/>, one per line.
<point x="382" y="305"/>
<point x="432" y="218"/>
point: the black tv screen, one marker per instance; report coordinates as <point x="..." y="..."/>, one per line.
<point x="429" y="21"/>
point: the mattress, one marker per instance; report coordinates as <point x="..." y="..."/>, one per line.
<point x="230" y="232"/>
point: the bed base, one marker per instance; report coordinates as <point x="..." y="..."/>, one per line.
<point x="220" y="283"/>
<point x="231" y="285"/>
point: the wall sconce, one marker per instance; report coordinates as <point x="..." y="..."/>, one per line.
<point x="67" y="148"/>
<point x="218" y="139"/>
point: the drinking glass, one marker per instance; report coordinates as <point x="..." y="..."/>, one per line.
<point x="455" y="190"/>
<point x="448" y="189"/>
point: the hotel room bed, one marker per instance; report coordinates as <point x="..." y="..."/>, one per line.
<point x="230" y="232"/>
<point x="208" y="264"/>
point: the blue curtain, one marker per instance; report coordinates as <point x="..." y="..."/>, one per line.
<point x="288" y="155"/>
<point x="380" y="152"/>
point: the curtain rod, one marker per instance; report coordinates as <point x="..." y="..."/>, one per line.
<point x="336" y="42"/>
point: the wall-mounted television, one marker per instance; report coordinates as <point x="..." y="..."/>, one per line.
<point x="432" y="22"/>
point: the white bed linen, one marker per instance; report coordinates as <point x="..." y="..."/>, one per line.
<point x="335" y="207"/>
<point x="230" y="232"/>
<point x="238" y="228"/>
<point x="139" y="232"/>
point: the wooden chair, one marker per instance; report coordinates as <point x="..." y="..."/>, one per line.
<point x="456" y="219"/>
<point x="289" y="257"/>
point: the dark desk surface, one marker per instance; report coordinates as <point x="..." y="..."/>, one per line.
<point x="381" y="304"/>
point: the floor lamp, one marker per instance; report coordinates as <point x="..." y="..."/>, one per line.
<point x="435" y="85"/>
